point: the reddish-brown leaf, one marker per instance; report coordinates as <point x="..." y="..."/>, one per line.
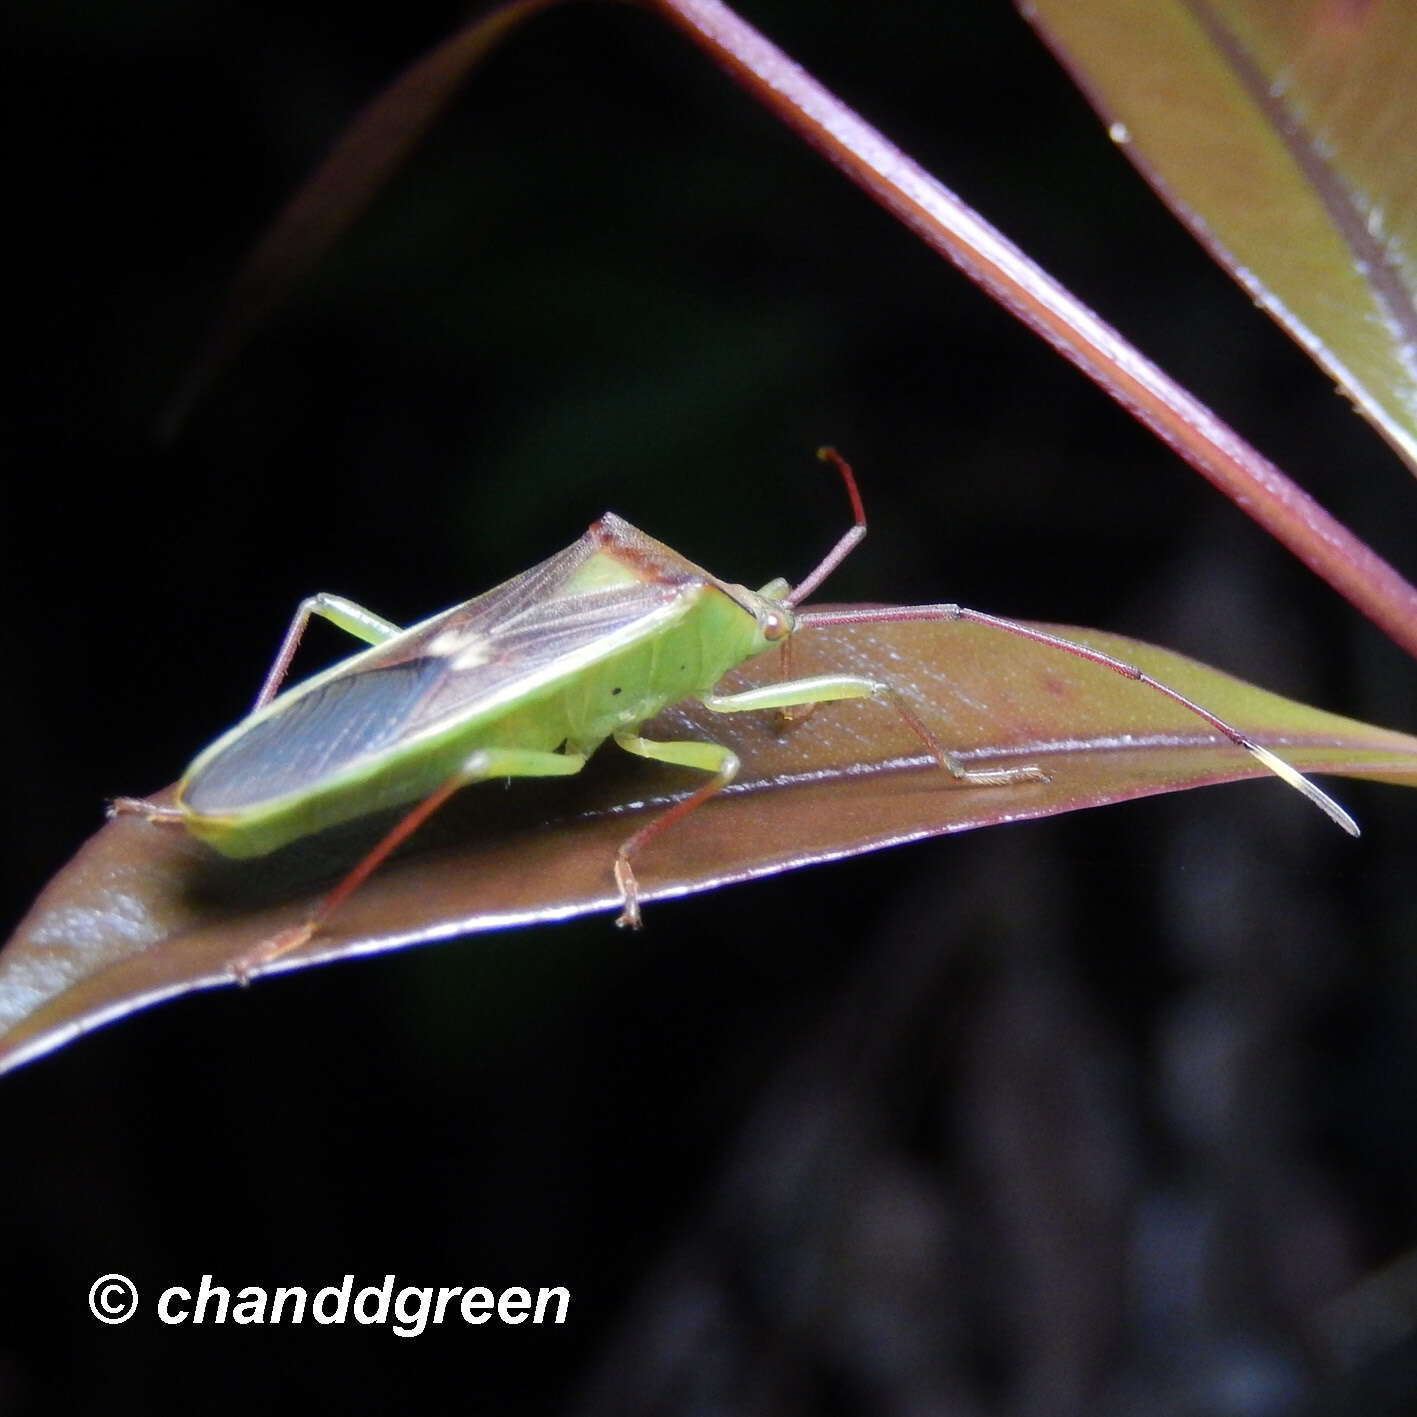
<point x="144" y="913"/>
<point x="1283" y="136"/>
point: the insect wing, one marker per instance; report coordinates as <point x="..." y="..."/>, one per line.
<point x="460" y="664"/>
<point x="489" y="662"/>
<point x="315" y="735"/>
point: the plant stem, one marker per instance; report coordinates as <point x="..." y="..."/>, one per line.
<point x="957" y="232"/>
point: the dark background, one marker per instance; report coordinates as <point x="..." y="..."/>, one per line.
<point x="1100" y="1114"/>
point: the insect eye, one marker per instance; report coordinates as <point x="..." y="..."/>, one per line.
<point x="775" y="626"/>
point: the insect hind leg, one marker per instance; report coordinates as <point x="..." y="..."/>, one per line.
<point x="478" y="767"/>
<point x="157" y="812"/>
<point x="344" y="614"/>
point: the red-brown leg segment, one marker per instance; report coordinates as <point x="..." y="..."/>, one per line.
<point x="707" y="757"/>
<point x="483" y="764"/>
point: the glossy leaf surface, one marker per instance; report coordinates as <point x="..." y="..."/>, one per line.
<point x="1283" y="136"/>
<point x="144" y="913"/>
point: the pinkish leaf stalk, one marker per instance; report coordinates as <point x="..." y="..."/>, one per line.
<point x="944" y="222"/>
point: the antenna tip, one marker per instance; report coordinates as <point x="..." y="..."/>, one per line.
<point x="1300" y="783"/>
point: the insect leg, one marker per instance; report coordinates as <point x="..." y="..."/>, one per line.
<point x="826" y="688"/>
<point x="355" y="619"/>
<point x="707" y="757"/>
<point x="345" y="614"/>
<point x="788" y="714"/>
<point x="141" y="807"/>
<point x="900" y="613"/>
<point x="483" y="764"/>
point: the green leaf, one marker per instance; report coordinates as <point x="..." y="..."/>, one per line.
<point x="144" y="913"/>
<point x="1283" y="136"/>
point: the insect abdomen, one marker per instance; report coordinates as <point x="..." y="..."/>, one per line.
<point x="683" y="661"/>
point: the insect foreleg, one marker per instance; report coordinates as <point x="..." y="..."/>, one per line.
<point x="478" y="767"/>
<point x="896" y="614"/>
<point x="788" y="693"/>
<point x="345" y="614"/>
<point x="707" y="757"/>
<point x="826" y="688"/>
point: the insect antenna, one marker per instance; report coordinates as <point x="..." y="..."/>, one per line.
<point x="849" y="539"/>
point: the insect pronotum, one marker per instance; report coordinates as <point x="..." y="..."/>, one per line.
<point x="527" y="680"/>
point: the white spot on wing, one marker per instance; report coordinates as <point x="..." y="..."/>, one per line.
<point x="464" y="649"/>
